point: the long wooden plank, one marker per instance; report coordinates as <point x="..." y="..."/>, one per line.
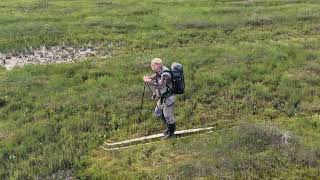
<point x="154" y="137"/>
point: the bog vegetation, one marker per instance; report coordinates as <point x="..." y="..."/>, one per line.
<point x="254" y="64"/>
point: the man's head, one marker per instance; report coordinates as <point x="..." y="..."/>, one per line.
<point x="156" y="64"/>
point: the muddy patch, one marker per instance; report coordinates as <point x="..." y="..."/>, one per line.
<point x="55" y="54"/>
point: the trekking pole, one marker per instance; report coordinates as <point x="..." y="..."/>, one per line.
<point x="144" y="89"/>
<point x="149" y="88"/>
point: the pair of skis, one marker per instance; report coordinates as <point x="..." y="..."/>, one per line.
<point x="151" y="138"/>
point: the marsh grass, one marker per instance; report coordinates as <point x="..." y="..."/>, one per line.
<point x="245" y="61"/>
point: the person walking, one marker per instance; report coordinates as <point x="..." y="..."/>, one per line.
<point x="161" y="83"/>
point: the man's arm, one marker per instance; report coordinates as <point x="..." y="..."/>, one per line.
<point x="156" y="86"/>
<point x="162" y="83"/>
<point x="153" y="77"/>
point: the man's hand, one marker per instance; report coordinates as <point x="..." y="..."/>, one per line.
<point x="146" y="79"/>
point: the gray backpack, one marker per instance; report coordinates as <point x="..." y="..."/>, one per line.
<point x="177" y="77"/>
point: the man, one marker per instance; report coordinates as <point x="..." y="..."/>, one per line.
<point x="161" y="83"/>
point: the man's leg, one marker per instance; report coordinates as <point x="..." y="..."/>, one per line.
<point x="158" y="112"/>
<point x="168" y="112"/>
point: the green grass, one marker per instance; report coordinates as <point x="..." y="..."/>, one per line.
<point x="251" y="63"/>
<point x="249" y="151"/>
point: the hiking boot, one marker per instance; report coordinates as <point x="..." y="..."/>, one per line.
<point x="165" y="132"/>
<point x="171" y="130"/>
<point x="168" y="136"/>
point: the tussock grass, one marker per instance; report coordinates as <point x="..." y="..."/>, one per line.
<point x="249" y="150"/>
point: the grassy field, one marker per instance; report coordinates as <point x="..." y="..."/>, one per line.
<point x="255" y="64"/>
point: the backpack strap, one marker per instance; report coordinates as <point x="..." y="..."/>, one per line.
<point x="169" y="91"/>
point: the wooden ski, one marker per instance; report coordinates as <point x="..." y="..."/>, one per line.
<point x="147" y="139"/>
